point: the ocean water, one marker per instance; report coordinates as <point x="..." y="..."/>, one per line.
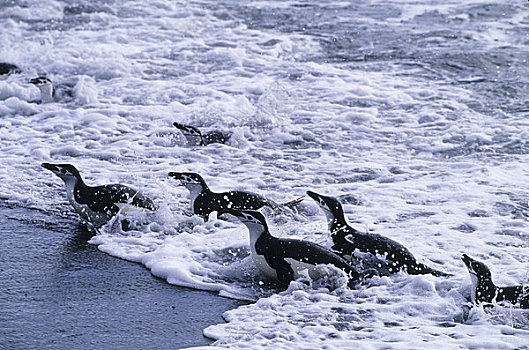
<point x="58" y="292"/>
<point x="413" y="113"/>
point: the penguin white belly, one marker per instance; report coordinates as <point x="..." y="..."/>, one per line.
<point x="194" y="191"/>
<point x="314" y="271"/>
<point x="262" y="265"/>
<point x="474" y="280"/>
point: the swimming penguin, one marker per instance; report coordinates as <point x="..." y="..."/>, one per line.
<point x="46" y="89"/>
<point x="97" y="204"/>
<point x="195" y="137"/>
<point x="346" y="240"/>
<point x="8" y="68"/>
<point x="204" y="201"/>
<point x="282" y="259"/>
<point x="50" y="93"/>
<point x="483" y="290"/>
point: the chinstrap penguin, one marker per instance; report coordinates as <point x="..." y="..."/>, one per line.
<point x="346" y="240"/>
<point x="484" y="291"/>
<point x="282" y="259"/>
<point x="97" y="204"/>
<point x="204" y="201"/>
<point x="46" y="89"/>
<point x="195" y="137"/>
<point x="51" y="93"/>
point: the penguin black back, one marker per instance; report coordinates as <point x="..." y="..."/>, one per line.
<point x="204" y="201"/>
<point x="8" y="68"/>
<point x="97" y="204"/>
<point x="346" y="240"/>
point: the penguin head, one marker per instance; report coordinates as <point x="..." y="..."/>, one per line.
<point x="476" y="268"/>
<point x="40" y="81"/>
<point x="46" y="88"/>
<point x="480" y="277"/>
<point x="330" y="206"/>
<point x="254" y="220"/>
<point x="66" y="172"/>
<point x="192" y="134"/>
<point x="188" y="179"/>
<point x="187" y="129"/>
<point x="247" y="216"/>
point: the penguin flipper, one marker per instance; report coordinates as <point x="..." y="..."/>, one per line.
<point x="438" y="273"/>
<point x="284" y="272"/>
<point x="291" y="204"/>
<point x="105" y="199"/>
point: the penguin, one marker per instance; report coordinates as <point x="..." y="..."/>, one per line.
<point x="195" y="137"/>
<point x="281" y="259"/>
<point x="97" y="204"/>
<point x="346" y="240"/>
<point x="8" y="68"/>
<point x="46" y="89"/>
<point x="49" y="93"/>
<point x="204" y="201"/>
<point x="484" y="291"/>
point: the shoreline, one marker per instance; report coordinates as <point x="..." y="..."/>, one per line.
<point x="60" y="292"/>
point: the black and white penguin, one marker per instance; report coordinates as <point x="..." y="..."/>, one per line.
<point x="46" y="89"/>
<point x="195" y="137"/>
<point x="282" y="259"/>
<point x="50" y="93"/>
<point x="97" y="204"/>
<point x="347" y="240"/>
<point x="204" y="201"/>
<point x="8" y="68"/>
<point x="484" y="291"/>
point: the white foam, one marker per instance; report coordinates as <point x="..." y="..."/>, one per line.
<point x="409" y="155"/>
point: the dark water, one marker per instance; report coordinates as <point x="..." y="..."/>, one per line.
<point x="59" y="292"/>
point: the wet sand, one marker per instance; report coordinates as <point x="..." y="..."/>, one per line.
<point x="59" y="292"/>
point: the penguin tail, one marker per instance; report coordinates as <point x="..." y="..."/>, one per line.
<point x="293" y="203"/>
<point x="438" y="273"/>
<point x="422" y="269"/>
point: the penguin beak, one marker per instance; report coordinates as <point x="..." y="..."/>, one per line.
<point x="313" y="195"/>
<point x="187" y="129"/>
<point x="318" y="199"/>
<point x="233" y="215"/>
<point x="49" y="166"/>
<point x="180" y="126"/>
<point x="468" y="261"/>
